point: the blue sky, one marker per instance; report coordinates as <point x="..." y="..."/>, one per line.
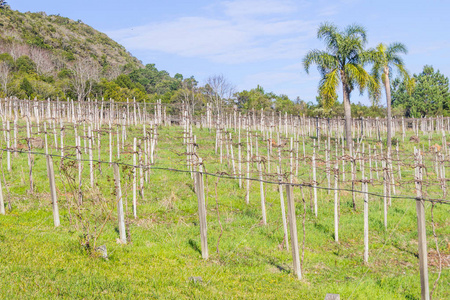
<point x="255" y="42"/>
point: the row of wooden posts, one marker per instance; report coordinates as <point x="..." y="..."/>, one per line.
<point x="133" y="113"/>
<point x="194" y="164"/>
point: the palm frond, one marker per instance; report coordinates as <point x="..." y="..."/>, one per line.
<point x="374" y="86"/>
<point x="410" y="82"/>
<point x="395" y="48"/>
<point x="322" y="59"/>
<point x="356" y="30"/>
<point x="396" y="60"/>
<point x="328" y="32"/>
<point x="356" y="74"/>
<point x="328" y="87"/>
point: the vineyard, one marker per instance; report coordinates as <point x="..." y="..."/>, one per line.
<point x="117" y="200"/>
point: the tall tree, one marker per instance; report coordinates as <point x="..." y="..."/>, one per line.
<point x="219" y="91"/>
<point x="341" y="62"/>
<point x="84" y="73"/>
<point x="189" y="93"/>
<point x="429" y="97"/>
<point x="384" y="58"/>
<point x="253" y="99"/>
<point x="5" y="76"/>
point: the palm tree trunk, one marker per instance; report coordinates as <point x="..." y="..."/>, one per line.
<point x="348" y="117"/>
<point x="387" y="86"/>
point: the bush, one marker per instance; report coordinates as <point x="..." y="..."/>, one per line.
<point x="26" y="86"/>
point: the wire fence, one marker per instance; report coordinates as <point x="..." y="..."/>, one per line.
<point x="221" y="175"/>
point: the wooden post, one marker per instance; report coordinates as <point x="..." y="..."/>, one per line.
<point x="385" y="183"/>
<point x="398" y="164"/>
<point x="247" y="195"/>
<point x="327" y="163"/>
<point x="293" y="231"/>
<point x="99" y="151"/>
<point x="239" y="155"/>
<point x="283" y="210"/>
<point x="421" y="230"/>
<point x="15" y="137"/>
<point x="202" y="213"/>
<point x="8" y="145"/>
<point x="376" y="160"/>
<point x="353" y="168"/>
<point x="134" y="179"/>
<point x="118" y="143"/>
<point x="61" y="142"/>
<point x="110" y="142"/>
<point x="145" y="152"/>
<point x="120" y="213"/>
<point x="91" y="162"/>
<point x="314" y="177"/>
<point x="2" y="203"/>
<point x="336" y="204"/>
<point x="30" y="160"/>
<point x="51" y="178"/>
<point x="263" y="200"/>
<point x="232" y="155"/>
<point x="80" y="168"/>
<point x="141" y="170"/>
<point x="366" y="220"/>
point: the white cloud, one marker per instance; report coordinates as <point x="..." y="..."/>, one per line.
<point x="329" y="10"/>
<point x="191" y="36"/>
<point x="242" y="8"/>
<point x="228" y="39"/>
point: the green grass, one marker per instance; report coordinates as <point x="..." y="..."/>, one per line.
<point x="41" y="262"/>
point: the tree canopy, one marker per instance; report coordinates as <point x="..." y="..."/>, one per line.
<point x="341" y="63"/>
<point x="384" y="59"/>
<point x="429" y="97"/>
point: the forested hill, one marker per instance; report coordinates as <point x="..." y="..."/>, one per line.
<point x="48" y="56"/>
<point x="63" y="38"/>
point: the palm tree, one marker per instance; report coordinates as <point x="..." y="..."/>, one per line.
<point x="341" y="62"/>
<point x="384" y="58"/>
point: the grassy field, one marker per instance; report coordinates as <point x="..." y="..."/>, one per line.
<point x="38" y="261"/>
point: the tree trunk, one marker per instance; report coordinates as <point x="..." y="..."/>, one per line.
<point x="387" y="86"/>
<point x="348" y="115"/>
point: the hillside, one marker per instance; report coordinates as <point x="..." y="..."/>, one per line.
<point x="62" y="37"/>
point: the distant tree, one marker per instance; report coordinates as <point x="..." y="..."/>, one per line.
<point x="430" y="96"/>
<point x="124" y="81"/>
<point x="342" y="62"/>
<point x="6" y="57"/>
<point x="178" y="76"/>
<point x="219" y="91"/>
<point x="254" y="99"/>
<point x="84" y="73"/>
<point x="3" y="4"/>
<point x="112" y="72"/>
<point x="154" y="81"/>
<point x="283" y="104"/>
<point x="25" y="64"/>
<point x="5" y="76"/>
<point x="42" y="60"/>
<point x="16" y="50"/>
<point x="384" y="58"/>
<point x="190" y="93"/>
<point x="26" y="86"/>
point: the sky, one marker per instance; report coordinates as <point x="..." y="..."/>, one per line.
<point x="253" y="42"/>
